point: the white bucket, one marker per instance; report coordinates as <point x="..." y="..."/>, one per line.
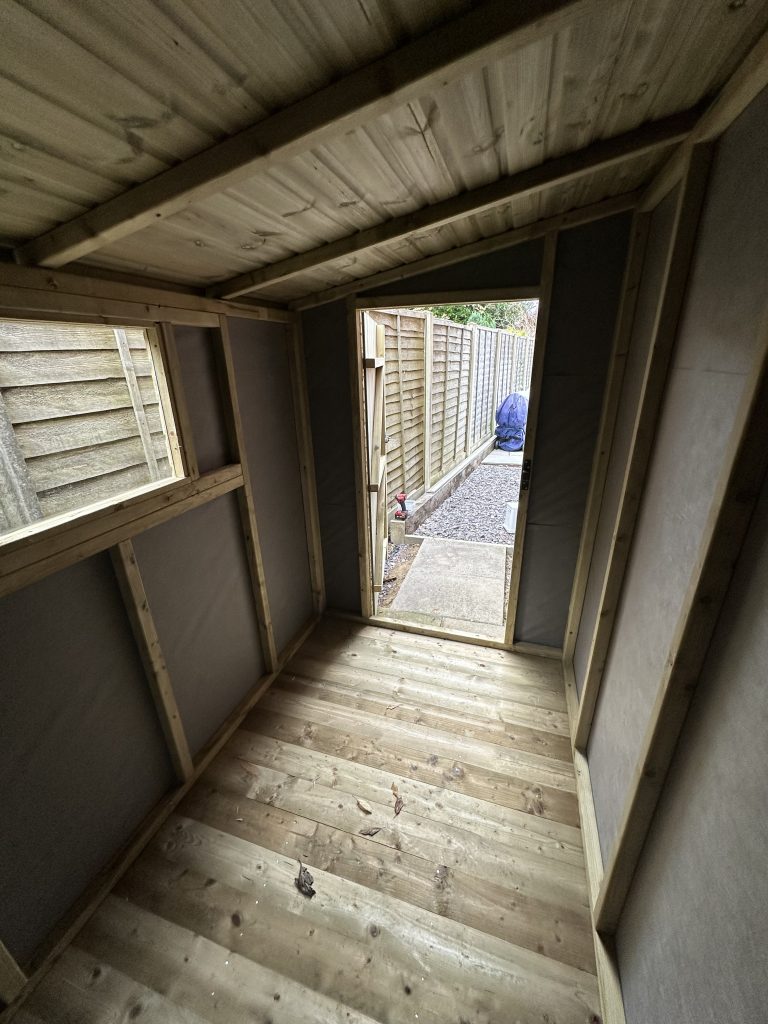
<point x="510" y="516"/>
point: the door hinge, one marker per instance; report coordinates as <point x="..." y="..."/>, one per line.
<point x="525" y="476"/>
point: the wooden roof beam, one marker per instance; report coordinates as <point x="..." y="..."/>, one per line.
<point x="452" y="49"/>
<point x="558" y="171"/>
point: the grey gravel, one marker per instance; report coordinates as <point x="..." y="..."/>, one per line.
<point x="475" y="511"/>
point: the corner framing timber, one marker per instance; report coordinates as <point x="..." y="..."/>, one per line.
<point x="745" y="465"/>
<point x="660" y="353"/>
<point x="360" y="449"/>
<point x="608" y="981"/>
<point x="144" y="630"/>
<point x="174" y="403"/>
<point x="452" y="49"/>
<point x="307" y="466"/>
<point x="544" y="294"/>
<point x="557" y="171"/>
<point x="245" y="495"/>
<point x="622" y="338"/>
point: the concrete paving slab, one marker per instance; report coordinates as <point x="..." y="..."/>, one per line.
<point x="460" y="557"/>
<point x="501" y="458"/>
<point x="456" y="580"/>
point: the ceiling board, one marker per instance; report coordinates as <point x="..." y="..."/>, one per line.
<point x="129" y="91"/>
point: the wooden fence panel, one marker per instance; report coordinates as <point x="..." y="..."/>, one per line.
<point x="82" y="431"/>
<point x="450" y="395"/>
<point x="404" y="394"/>
<point x="458" y="422"/>
<point x="485" y="364"/>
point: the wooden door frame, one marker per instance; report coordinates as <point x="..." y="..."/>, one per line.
<point x="356" y="306"/>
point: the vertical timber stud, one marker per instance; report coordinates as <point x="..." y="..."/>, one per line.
<point x="173" y="402"/>
<point x="622" y="338"/>
<point x="745" y="464"/>
<point x="360" y="450"/>
<point x="668" y="312"/>
<point x="142" y="623"/>
<point x="307" y="466"/>
<point x="245" y="495"/>
<point x="531" y="426"/>
<point x="12" y="978"/>
<point x="428" y="372"/>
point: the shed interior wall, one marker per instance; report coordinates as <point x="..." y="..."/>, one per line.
<point x="84" y="761"/>
<point x="654" y="262"/>
<point x="700" y="891"/>
<point x="718" y="338"/>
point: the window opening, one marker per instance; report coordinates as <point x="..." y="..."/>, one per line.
<point x="85" y="417"/>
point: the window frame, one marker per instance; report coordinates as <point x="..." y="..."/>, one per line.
<point x="162" y="353"/>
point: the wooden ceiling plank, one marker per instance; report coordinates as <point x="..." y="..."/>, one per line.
<point x="514" y="236"/>
<point x="474" y="38"/>
<point x="560" y="170"/>
<point x="744" y="85"/>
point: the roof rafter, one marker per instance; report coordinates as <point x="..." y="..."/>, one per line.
<point x="598" y="155"/>
<point x="487" y="31"/>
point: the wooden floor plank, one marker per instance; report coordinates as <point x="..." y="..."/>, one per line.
<point x="420" y="762"/>
<point x="539" y="836"/>
<point x="469" y="906"/>
<point x="406" y="736"/>
<point x="541" y="915"/>
<point x="241" y="896"/>
<point x="473" y="678"/>
<point x="546" y="670"/>
<point x="433" y="841"/>
<point x="205" y="979"/>
<point x="427" y="693"/>
<point x="522" y="736"/>
<point x="441" y="687"/>
<point x="82" y="988"/>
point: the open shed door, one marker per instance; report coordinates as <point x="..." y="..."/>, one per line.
<point x="373" y="362"/>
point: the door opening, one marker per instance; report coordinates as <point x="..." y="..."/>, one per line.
<point x="446" y="392"/>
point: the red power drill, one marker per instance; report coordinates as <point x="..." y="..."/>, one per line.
<point x="402" y="512"/>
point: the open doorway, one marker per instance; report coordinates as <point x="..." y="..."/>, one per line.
<point x="447" y="393"/>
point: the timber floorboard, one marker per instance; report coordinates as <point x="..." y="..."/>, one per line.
<point x="469" y="906"/>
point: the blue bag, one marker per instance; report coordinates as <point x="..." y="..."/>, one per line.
<point x="510" y="422"/>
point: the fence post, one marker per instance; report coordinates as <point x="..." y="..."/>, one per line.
<point x="471" y="386"/>
<point x="496" y="373"/>
<point x="400" y="386"/>
<point x="428" y="400"/>
<point x="458" y="396"/>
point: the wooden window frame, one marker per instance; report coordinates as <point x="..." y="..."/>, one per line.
<point x="176" y="429"/>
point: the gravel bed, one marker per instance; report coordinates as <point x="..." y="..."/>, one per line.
<point x="475" y="511"/>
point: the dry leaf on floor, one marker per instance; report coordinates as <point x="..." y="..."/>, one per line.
<point x="364" y="807"/>
<point x="369" y="831"/>
<point x="399" y="805"/>
<point x="304" y="882"/>
<point x="394" y="788"/>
